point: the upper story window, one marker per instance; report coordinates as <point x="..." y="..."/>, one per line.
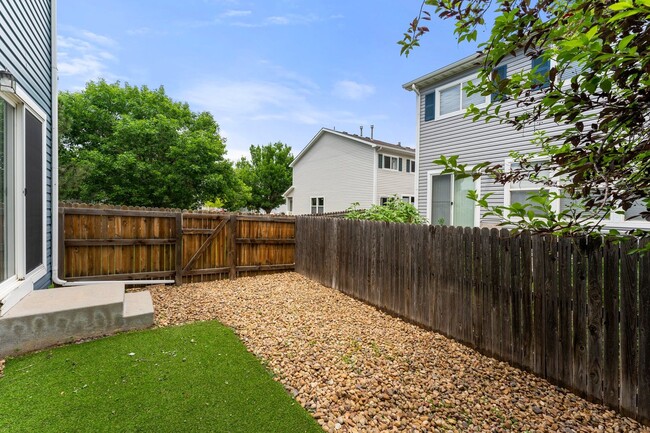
<point x="317" y="205"/>
<point x="499" y="73"/>
<point x="410" y="166"/>
<point x="390" y="162"/>
<point x="541" y="67"/>
<point x="450" y="100"/>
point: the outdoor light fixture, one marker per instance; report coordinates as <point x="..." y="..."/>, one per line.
<point x="7" y="82"/>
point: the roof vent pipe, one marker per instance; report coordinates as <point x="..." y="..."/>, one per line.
<point x="361" y="128"/>
<point x="372" y="129"/>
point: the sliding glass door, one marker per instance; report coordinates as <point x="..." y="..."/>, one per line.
<point x="7" y="126"/>
<point x="449" y="203"/>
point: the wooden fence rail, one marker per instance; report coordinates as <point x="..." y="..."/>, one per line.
<point x="108" y="243"/>
<point x="574" y="311"/>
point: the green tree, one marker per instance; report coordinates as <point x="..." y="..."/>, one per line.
<point x="395" y="210"/>
<point x="130" y="145"/>
<point x="267" y="174"/>
<point x="601" y="161"/>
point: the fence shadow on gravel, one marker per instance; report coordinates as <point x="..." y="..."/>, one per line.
<point x="575" y="311"/>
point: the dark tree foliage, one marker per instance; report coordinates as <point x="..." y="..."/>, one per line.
<point x="267" y="175"/>
<point x="601" y="162"/>
<point x="130" y="145"/>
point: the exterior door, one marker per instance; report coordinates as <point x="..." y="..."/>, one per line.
<point x="441" y="199"/>
<point x="449" y="203"/>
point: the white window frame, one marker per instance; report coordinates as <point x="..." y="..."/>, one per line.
<point x="317" y="205"/>
<point x="409" y="162"/>
<point x="508" y="188"/>
<point x="615" y="220"/>
<point x="409" y="198"/>
<point x="396" y="158"/>
<point x="21" y="101"/>
<point x="477" y="187"/>
<point x="460" y="100"/>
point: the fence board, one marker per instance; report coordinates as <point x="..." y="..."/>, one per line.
<point x="477" y="292"/>
<point x="505" y="294"/>
<point x="565" y="316"/>
<point x="516" y="293"/>
<point x="539" y="339"/>
<point x="611" y="372"/>
<point x="527" y="357"/>
<point x="595" y="321"/>
<point x="579" y="376"/>
<point x="486" y="279"/>
<point x="644" y="335"/>
<point x="629" y="328"/>
<point x="551" y="306"/>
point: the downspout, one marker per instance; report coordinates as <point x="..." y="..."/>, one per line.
<point x="55" y="175"/>
<point x="417" y="146"/>
<point x="374" y="173"/>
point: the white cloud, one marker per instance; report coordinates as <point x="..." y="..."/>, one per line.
<point x="235" y="13"/>
<point x="351" y="90"/>
<point x="291" y="19"/>
<point x="84" y="56"/>
<point x="255" y="111"/>
<point x="139" y="31"/>
<point x="98" y="39"/>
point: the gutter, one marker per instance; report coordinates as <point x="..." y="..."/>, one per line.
<point x="55" y="175"/>
<point x="416" y="187"/>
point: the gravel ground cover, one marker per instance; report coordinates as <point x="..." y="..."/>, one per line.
<point x="357" y="369"/>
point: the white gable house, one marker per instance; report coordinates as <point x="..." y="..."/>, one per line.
<point x="337" y="169"/>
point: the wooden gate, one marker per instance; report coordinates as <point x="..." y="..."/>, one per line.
<point x="126" y="243"/>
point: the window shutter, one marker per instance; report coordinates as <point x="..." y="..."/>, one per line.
<point x="499" y="73"/>
<point x="379" y="160"/>
<point x="400" y="164"/>
<point x="430" y="106"/>
<point x="543" y="67"/>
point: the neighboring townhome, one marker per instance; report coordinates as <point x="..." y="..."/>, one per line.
<point x="337" y="169"/>
<point x="27" y="92"/>
<point x="443" y="129"/>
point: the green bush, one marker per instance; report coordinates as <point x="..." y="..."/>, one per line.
<point x="394" y="210"/>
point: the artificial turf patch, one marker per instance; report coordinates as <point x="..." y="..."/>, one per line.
<point x="191" y="378"/>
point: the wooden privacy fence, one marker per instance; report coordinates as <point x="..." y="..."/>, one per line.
<point x="575" y="311"/>
<point x="112" y="243"/>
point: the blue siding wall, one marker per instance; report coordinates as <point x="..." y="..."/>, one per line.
<point x="25" y="50"/>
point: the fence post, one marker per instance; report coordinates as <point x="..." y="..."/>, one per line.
<point x="61" y="236"/>
<point x="232" y="245"/>
<point x="179" y="248"/>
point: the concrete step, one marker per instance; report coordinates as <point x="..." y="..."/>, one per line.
<point x="49" y="317"/>
<point x="138" y="311"/>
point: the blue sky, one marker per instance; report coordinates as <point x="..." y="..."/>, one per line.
<point x="267" y="70"/>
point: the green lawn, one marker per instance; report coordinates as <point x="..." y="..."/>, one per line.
<point x="192" y="378"/>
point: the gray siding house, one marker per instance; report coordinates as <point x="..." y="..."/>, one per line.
<point x="443" y="129"/>
<point x="337" y="169"/>
<point x="27" y="92"/>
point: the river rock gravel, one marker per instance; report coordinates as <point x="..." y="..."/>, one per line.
<point x="357" y="369"/>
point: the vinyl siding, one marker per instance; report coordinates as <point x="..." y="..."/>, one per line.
<point x="474" y="142"/>
<point x="25" y="50"/>
<point x="336" y="168"/>
<point x="391" y="182"/>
